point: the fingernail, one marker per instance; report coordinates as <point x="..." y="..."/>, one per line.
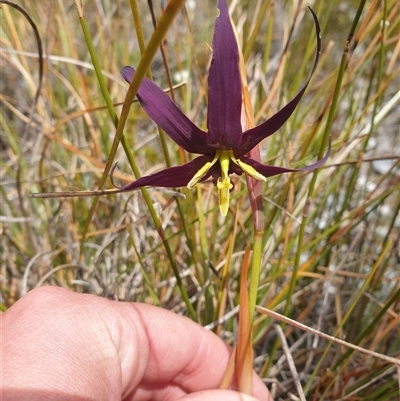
<point x="246" y="397"/>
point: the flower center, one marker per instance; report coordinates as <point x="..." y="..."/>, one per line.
<point x="224" y="183"/>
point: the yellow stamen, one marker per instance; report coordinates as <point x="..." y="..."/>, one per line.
<point x="224" y="183"/>
<point x="203" y="171"/>
<point x="248" y="169"/>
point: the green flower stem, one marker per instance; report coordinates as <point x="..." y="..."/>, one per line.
<point x="255" y="192"/>
<point x="256" y="201"/>
<point x="144" y="65"/>
<point x="255" y="271"/>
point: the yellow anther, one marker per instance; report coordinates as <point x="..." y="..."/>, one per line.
<point x="251" y="171"/>
<point x="203" y="171"/>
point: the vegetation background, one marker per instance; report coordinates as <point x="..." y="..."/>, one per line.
<point x="347" y="258"/>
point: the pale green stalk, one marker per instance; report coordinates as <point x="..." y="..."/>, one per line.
<point x="255" y="189"/>
<point x="255" y="271"/>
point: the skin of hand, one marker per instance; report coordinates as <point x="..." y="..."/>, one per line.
<point x="59" y="345"/>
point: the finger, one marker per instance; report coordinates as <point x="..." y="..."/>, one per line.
<point x="191" y="356"/>
<point x="135" y="351"/>
<point x="220" y="395"/>
<point x="57" y="342"/>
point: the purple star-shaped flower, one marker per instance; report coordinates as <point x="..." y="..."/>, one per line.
<point x="224" y="146"/>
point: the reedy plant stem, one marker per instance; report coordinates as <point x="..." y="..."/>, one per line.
<point x="376" y="103"/>
<point x="260" y="18"/>
<point x="138" y="29"/>
<point x="161" y="133"/>
<point x="356" y="168"/>
<point x="268" y="39"/>
<point x="332" y="113"/>
<point x="302" y="326"/>
<point x="146" y="278"/>
<point x="367" y="330"/>
<point x="344" y="320"/>
<point x="144" y="65"/>
<point x="350" y="223"/>
<point x="328" y="128"/>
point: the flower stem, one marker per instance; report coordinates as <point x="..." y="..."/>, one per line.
<point x="256" y="202"/>
<point x="255" y="271"/>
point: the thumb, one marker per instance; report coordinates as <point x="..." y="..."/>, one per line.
<point x="220" y="395"/>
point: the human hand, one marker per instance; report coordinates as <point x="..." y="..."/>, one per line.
<point x="58" y="345"/>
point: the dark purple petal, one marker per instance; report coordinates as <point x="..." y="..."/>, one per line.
<point x="269" y="171"/>
<point x="165" y="113"/>
<point x="224" y="86"/>
<point x="255" y="135"/>
<point x="171" y="177"/>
